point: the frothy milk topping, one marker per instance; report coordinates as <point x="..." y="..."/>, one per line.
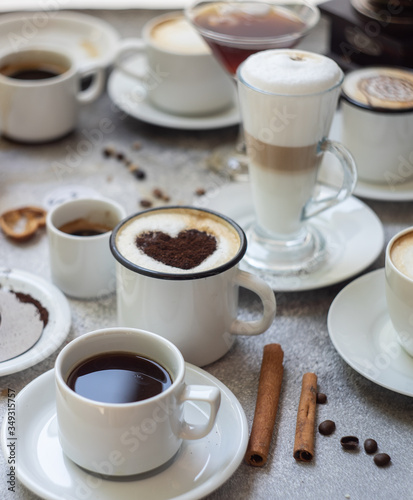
<point x="388" y="88"/>
<point x="178" y="35"/>
<point x="290" y="72"/>
<point x="401" y="254"/>
<point x="172" y="223"/>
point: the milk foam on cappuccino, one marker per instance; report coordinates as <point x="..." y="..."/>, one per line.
<point x="178" y="35"/>
<point x="172" y="222"/>
<point x="401" y="254"/>
<point x="380" y="87"/>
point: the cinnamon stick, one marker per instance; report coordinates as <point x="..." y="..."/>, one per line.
<point x="304" y="432"/>
<point x="269" y="388"/>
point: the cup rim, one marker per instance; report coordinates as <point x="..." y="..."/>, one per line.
<point x="181" y="276"/>
<point x="51" y="226"/>
<point x="39" y="83"/>
<point x="110" y="331"/>
<point x="388" y="250"/>
<point x="282" y="94"/>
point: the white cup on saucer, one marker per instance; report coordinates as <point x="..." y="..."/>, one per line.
<point x="40" y="93"/>
<point x="126" y="429"/>
<point x="180" y="74"/>
<point x="399" y="286"/>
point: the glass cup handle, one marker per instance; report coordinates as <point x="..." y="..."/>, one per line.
<point x="266" y="294"/>
<point x="207" y="394"/>
<point x="316" y="205"/>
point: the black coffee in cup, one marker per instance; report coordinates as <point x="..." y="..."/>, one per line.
<point x="119" y="377"/>
<point x="32" y="70"/>
<point x="84" y="227"/>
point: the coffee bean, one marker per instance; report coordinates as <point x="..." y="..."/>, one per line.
<point x="327" y="427"/>
<point x="145" y="203"/>
<point x="349" y="442"/>
<point x="370" y="446"/>
<point x="321" y="398"/>
<point x="382" y="459"/>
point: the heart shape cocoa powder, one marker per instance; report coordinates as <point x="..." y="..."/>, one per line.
<point x="185" y="251"/>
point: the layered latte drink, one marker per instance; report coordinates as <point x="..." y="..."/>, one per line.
<point x="288" y="99"/>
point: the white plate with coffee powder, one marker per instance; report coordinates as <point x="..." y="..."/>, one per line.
<point x="34" y="320"/>
<point x="199" y="467"/>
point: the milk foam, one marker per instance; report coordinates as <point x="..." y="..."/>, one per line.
<point x="172" y="223"/>
<point x="178" y="35"/>
<point x="401" y="254"/>
<point x="389" y="88"/>
<point x="287" y="95"/>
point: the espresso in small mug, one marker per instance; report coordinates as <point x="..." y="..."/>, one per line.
<point x="178" y="276"/>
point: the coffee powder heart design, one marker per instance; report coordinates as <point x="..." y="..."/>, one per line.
<point x="185" y="251"/>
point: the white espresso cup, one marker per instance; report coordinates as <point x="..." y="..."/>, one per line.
<point x="399" y="286"/>
<point x="377" y="123"/>
<point x="80" y="260"/>
<point x="177" y="72"/>
<point x="40" y="93"/>
<point x="126" y="428"/>
<point x="194" y="307"/>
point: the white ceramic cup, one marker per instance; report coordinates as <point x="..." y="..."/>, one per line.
<point x="121" y="439"/>
<point x="82" y="266"/>
<point x="41" y="110"/>
<point x="379" y="132"/>
<point x="179" y="75"/>
<point x="399" y="286"/>
<point x="196" y="311"/>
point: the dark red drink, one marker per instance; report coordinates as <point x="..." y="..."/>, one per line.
<point x="235" y="31"/>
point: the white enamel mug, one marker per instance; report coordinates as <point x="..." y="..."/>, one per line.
<point x="123" y="439"/>
<point x="82" y="266"/>
<point x="195" y="311"/>
<point x="41" y="110"/>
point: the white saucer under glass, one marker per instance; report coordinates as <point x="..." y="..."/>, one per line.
<point x="363" y="335"/>
<point x="199" y="468"/>
<point x="353" y="233"/>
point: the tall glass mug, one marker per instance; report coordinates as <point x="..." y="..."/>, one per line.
<point x="288" y="99"/>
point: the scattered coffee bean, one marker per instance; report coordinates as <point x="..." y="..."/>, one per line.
<point x="158" y="193"/>
<point x="370" y="446"/>
<point x="200" y="192"/>
<point x="382" y="459"/>
<point x="321" y="398"/>
<point x="327" y="427"/>
<point x="139" y="174"/>
<point x="349" y="442"/>
<point x="145" y="203"/>
<point x="120" y="156"/>
<point x="109" y="151"/>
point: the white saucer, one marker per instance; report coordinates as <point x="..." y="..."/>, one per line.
<point x="361" y="331"/>
<point x="57" y="327"/>
<point x="129" y="95"/>
<point x="88" y="38"/>
<point x="199" y="468"/>
<point x="370" y="190"/>
<point x="354" y="233"/>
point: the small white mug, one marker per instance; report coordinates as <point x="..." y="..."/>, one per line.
<point x="127" y="438"/>
<point x="40" y="93"/>
<point x="196" y="310"/>
<point x="399" y="286"/>
<point x="181" y="75"/>
<point x="82" y="266"/>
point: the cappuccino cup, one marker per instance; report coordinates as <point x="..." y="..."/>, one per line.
<point x="40" y="93"/>
<point x="399" y="286"/>
<point x="288" y="98"/>
<point x="120" y="396"/>
<point x="178" y="276"/>
<point x="377" y="123"/>
<point x="78" y="233"/>
<point x="180" y="74"/>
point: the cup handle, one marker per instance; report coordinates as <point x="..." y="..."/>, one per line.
<point x="316" y="205"/>
<point x="265" y="293"/>
<point x="96" y="86"/>
<point x="207" y="394"/>
<point x="129" y="46"/>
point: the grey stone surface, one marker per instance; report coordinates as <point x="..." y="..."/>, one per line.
<point x="175" y="161"/>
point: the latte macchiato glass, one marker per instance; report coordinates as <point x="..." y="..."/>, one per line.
<point x="178" y="276"/>
<point x="288" y="99"/>
<point x="399" y="286"/>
